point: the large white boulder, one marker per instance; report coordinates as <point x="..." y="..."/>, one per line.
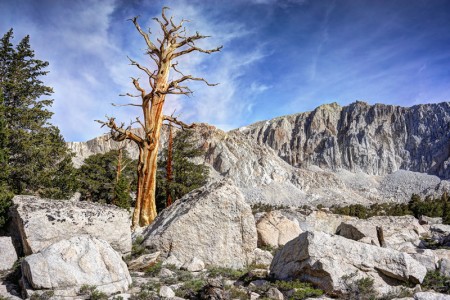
<point x="67" y="265"/>
<point x="326" y="260"/>
<point x="274" y="229"/>
<point x="42" y="222"/>
<point x="213" y="223"/>
<point x="8" y="255"/>
<point x="397" y="230"/>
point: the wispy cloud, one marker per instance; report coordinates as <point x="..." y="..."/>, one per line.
<point x="279" y="56"/>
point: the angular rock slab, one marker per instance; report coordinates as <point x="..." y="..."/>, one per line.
<point x="68" y="264"/>
<point x="276" y="230"/>
<point x="397" y="230"/>
<point x="213" y="223"/>
<point x="325" y="259"/>
<point x="8" y="255"/>
<point x="42" y="222"/>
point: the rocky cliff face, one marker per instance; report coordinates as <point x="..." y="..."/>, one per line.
<point x="376" y="140"/>
<point x="332" y="155"/>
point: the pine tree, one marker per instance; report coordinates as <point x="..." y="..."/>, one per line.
<point x="98" y="181"/>
<point x="122" y="196"/>
<point x="186" y="174"/>
<point x="5" y="192"/>
<point x="39" y="160"/>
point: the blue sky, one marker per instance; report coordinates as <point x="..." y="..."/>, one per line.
<point x="279" y="57"/>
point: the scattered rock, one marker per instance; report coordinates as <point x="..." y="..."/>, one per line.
<point x="276" y="230"/>
<point x="430" y="296"/>
<point x="143" y="261"/>
<point x="213" y="223"/>
<point x="254" y="296"/>
<point x="172" y="260"/>
<point x="325" y="259"/>
<point x="8" y="292"/>
<point x="424" y="220"/>
<point x="321" y="221"/>
<point x="441" y="234"/>
<point x="426" y="257"/>
<point x="444" y="267"/>
<point x="8" y="255"/>
<point x="263" y="257"/>
<point x="214" y="290"/>
<point x="195" y="265"/>
<point x="68" y="264"/>
<point x="397" y="230"/>
<point x="275" y="294"/>
<point x="166" y="292"/>
<point x="42" y="222"/>
<point x="165" y="273"/>
<point x="124" y="296"/>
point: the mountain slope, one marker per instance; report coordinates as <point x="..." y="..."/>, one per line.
<point x="332" y="155"/>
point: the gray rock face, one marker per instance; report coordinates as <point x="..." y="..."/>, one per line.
<point x="8" y="255"/>
<point x="333" y="155"/>
<point x="42" y="222"/>
<point x="68" y="264"/>
<point x="325" y="260"/>
<point x="213" y="224"/>
<point x="377" y="140"/>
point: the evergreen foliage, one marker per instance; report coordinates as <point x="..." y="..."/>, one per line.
<point x="97" y="179"/>
<point x="431" y="207"/>
<point x="5" y="192"/>
<point x="187" y="175"/>
<point x="122" y="196"/>
<point x="33" y="156"/>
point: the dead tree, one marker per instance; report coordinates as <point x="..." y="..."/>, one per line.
<point x="174" y="43"/>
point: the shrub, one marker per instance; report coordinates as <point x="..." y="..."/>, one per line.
<point x="437" y="282"/>
<point x="361" y="288"/>
<point x="190" y="289"/>
<point x="302" y="290"/>
<point x="91" y="292"/>
<point x="154" y="269"/>
<point x="226" y="272"/>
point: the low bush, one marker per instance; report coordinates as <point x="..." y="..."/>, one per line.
<point x="298" y="290"/>
<point x="92" y="293"/>
<point x="437" y="282"/>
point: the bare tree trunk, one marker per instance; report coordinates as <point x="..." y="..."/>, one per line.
<point x="147" y="167"/>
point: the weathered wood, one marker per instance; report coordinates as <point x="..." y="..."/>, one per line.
<point x="174" y="43"/>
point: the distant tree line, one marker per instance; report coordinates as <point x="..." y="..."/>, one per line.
<point x="430" y="206"/>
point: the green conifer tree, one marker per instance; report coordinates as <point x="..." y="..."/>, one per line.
<point x="98" y="181"/>
<point x="186" y="174"/>
<point x="5" y="192"/>
<point x="39" y="160"/>
<point x="122" y="196"/>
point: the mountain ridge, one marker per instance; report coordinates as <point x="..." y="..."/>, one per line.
<point x="358" y="153"/>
